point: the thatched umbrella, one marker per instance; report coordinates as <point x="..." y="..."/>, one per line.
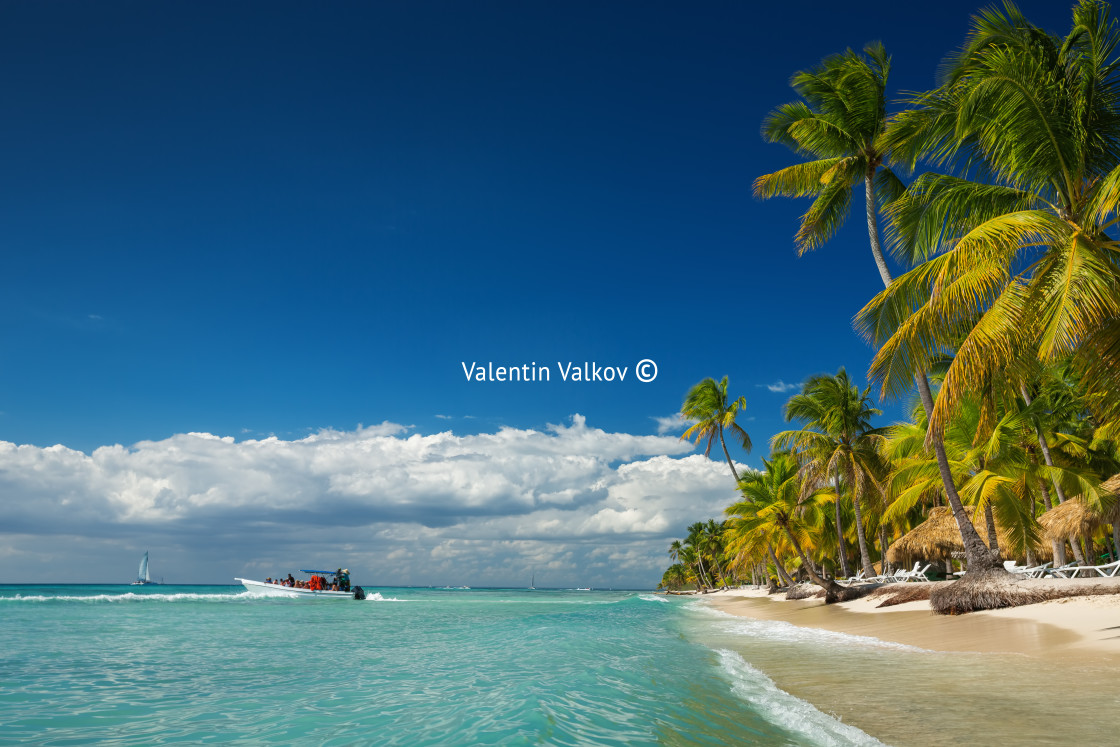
<point x="1073" y="518"/>
<point x="933" y="539"/>
<point x="938" y="537"/>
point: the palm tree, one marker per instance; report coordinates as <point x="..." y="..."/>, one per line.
<point x="1024" y="264"/>
<point x="698" y="541"/>
<point x="712" y="542"/>
<point x="839" y="445"/>
<point x="675" y="577"/>
<point x="774" y="502"/>
<point x="712" y="412"/>
<point x="840" y="125"/>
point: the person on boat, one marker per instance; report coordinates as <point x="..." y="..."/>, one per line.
<point x="343" y="576"/>
<point x="291" y="580"/>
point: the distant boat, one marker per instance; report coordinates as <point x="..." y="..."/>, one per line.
<point x="276" y="589"/>
<point x="586" y="588"/>
<point x="143" y="578"/>
<point x="533" y="582"/>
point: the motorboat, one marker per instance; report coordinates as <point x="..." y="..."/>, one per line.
<point x="268" y="589"/>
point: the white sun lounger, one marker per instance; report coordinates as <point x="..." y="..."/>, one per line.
<point x="1108" y="570"/>
<point x="1027" y="571"/>
<point x="1069" y="570"/>
<point x="917" y="573"/>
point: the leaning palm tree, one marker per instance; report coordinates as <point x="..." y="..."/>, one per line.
<point x="774" y="502"/>
<point x="712" y="413"/>
<point x="1018" y="259"/>
<point x="837" y="444"/>
<point x="840" y="126"/>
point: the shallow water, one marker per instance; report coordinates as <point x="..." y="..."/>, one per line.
<point x="907" y="695"/>
<point x="155" y="665"/>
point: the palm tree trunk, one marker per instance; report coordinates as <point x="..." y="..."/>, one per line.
<point x="980" y="558"/>
<point x="883" y="543"/>
<point x="993" y="538"/>
<point x="873" y="229"/>
<point x="861" y="535"/>
<point x="1059" y="548"/>
<point x="719" y="571"/>
<point x="833" y="590"/>
<point x="840" y="532"/>
<point x="781" y="570"/>
<point x="977" y="553"/>
<point x="730" y="463"/>
<point x="1042" y="444"/>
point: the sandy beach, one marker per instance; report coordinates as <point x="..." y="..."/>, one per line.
<point x="1077" y="627"/>
<point x="909" y="677"/>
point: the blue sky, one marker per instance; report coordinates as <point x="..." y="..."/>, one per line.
<point x="282" y="220"/>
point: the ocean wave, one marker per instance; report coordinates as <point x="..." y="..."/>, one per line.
<point x="785" y="710"/>
<point x="652" y="598"/>
<point x="127" y="597"/>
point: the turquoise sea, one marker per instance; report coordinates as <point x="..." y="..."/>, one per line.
<point x="122" y="665"/>
<point x="127" y="665"/>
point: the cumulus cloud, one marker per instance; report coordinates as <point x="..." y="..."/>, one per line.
<point x="781" y="386"/>
<point x="404" y="507"/>
<point x="675" y="423"/>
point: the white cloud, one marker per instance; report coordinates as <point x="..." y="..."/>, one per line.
<point x="403" y="508"/>
<point x="781" y="386"/>
<point x="675" y="423"/>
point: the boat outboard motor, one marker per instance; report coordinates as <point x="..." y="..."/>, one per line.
<point x="359" y="593"/>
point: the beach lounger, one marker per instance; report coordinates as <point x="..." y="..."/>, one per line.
<point x="856" y="579"/>
<point x="1027" y="571"/>
<point x="1069" y="570"/>
<point x="1108" y="570"/>
<point x="914" y="574"/>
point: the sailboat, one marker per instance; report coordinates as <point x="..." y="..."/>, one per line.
<point x="143" y="578"/>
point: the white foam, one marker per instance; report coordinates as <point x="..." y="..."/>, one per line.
<point x="128" y="597"/>
<point x="376" y="597"/>
<point x="785" y="710"/>
<point x="652" y="598"/>
<point x="784" y="632"/>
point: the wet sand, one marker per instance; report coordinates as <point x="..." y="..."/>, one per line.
<point x="1034" y="675"/>
<point x="1074" y="627"/>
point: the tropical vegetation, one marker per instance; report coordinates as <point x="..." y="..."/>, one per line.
<point x="1005" y="320"/>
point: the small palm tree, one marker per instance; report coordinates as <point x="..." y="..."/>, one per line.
<point x="838" y="444"/>
<point x="775" y="503"/>
<point x="712" y="412"/>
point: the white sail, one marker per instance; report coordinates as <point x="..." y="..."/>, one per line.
<point x="142" y="574"/>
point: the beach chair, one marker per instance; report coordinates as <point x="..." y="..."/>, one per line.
<point x="1108" y="570"/>
<point x="856" y="579"/>
<point x="917" y="573"/>
<point x="1069" y="570"/>
<point x="1027" y="571"/>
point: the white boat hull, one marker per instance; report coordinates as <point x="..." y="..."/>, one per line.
<point x="261" y="589"/>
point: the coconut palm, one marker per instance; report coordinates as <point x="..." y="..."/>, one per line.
<point x="994" y="472"/>
<point x="839" y="125"/>
<point x="1016" y="259"/>
<point x="675" y="577"/>
<point x="712" y="412"/>
<point x="699" y="540"/>
<point x="775" y="503"/>
<point x="837" y="444"/>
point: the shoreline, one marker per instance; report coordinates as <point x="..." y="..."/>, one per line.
<point x="1076" y="626"/>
